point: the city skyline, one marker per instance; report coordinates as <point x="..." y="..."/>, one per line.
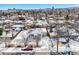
<point x="35" y="6"/>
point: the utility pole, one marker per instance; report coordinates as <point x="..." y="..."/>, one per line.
<point x="57" y="41"/>
<point x="57" y="36"/>
<point x="57" y="44"/>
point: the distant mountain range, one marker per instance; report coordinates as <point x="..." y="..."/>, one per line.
<point x="69" y="9"/>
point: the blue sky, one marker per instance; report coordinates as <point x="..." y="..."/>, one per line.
<point x="35" y="6"/>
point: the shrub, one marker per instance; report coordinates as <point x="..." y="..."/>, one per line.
<point x="1" y="31"/>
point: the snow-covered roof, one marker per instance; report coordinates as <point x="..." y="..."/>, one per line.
<point x="18" y="26"/>
<point x="74" y="45"/>
<point x="52" y="21"/>
<point x="29" y="22"/>
<point x="22" y="36"/>
<point x="9" y="35"/>
<point x="8" y="21"/>
<point x="41" y="22"/>
<point x="19" y="39"/>
<point x="37" y="31"/>
<point x="61" y="21"/>
<point x="18" y="21"/>
<point x="62" y="39"/>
